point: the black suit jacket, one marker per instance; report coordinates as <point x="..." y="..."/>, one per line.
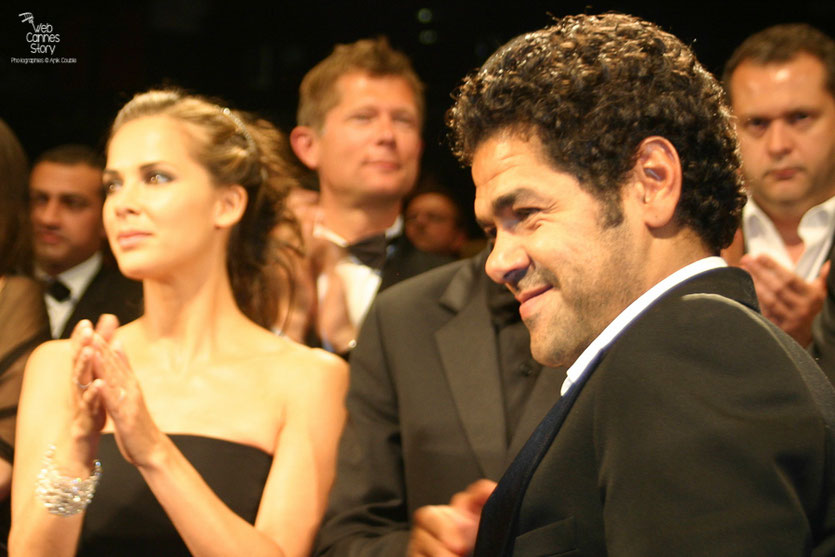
<point x="425" y="410"/>
<point x="108" y="292"/>
<point x="407" y="261"/>
<point x="696" y="434"/>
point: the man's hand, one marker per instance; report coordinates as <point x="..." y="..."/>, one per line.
<point x="450" y="530"/>
<point x="786" y="299"/>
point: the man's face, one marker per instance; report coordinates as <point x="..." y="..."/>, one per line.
<point x="786" y="126"/>
<point x="369" y="145"/>
<point x="431" y="224"/>
<point x="66" y="204"/>
<point x="571" y="275"/>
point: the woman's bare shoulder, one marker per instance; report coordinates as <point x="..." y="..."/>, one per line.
<point x="290" y="361"/>
<point x="50" y="353"/>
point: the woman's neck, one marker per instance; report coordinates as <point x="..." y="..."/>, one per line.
<point x="190" y="320"/>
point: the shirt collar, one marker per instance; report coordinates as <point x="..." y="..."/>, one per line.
<point x="77" y="278"/>
<point x="816" y="228"/>
<point x="754" y="211"/>
<point x="320" y="230"/>
<point x="632" y="312"/>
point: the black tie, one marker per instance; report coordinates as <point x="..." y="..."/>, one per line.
<point x="57" y="289"/>
<point x="370" y="251"/>
<point x="500" y="515"/>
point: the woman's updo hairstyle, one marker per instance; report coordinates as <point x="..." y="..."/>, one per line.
<point x="237" y="148"/>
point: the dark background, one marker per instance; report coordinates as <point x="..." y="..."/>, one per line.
<point x="254" y="54"/>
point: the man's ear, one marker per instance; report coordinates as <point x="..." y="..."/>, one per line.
<point x="230" y="206"/>
<point x="657" y="177"/>
<point x="305" y="143"/>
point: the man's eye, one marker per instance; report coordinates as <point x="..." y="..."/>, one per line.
<point x="406" y="120"/>
<point x="756" y="124"/>
<point x="525" y="212"/>
<point x="76" y="204"/>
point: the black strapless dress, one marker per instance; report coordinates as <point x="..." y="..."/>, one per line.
<point x="124" y="519"/>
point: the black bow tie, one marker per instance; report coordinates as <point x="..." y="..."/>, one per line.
<point x="370" y="251"/>
<point x="57" y="289"/>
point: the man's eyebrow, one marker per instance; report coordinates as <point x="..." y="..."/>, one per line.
<point x="74" y="199"/>
<point x="502" y="203"/>
<point x="506" y="200"/>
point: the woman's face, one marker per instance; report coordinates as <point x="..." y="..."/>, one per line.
<point x="161" y="209"/>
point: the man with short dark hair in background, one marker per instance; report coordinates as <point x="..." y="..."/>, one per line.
<point x="781" y="84"/>
<point x="66" y="198"/>
<point x="434" y="222"/>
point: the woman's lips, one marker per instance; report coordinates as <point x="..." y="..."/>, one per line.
<point x="131" y="238"/>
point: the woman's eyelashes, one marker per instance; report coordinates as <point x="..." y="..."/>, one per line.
<point x="113" y="183"/>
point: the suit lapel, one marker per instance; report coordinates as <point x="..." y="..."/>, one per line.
<point x="497" y="528"/>
<point x="545" y="393"/>
<point x="468" y="356"/>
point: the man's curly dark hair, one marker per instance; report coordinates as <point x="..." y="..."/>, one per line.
<point x="591" y="88"/>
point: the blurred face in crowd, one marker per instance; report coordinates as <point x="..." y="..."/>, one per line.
<point x="432" y="224"/>
<point x="786" y="126"/>
<point x="369" y="145"/>
<point x="66" y="210"/>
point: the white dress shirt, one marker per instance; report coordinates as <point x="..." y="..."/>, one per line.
<point x="815" y="229"/>
<point x="76" y="279"/>
<point x="361" y="282"/>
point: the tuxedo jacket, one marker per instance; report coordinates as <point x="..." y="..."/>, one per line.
<point x="108" y="292"/>
<point x="696" y="433"/>
<point x="407" y="261"/>
<point x="425" y="410"/>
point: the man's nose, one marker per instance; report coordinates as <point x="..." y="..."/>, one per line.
<point x="385" y="129"/>
<point x="47" y="213"/>
<point x="779" y="139"/>
<point x="508" y="262"/>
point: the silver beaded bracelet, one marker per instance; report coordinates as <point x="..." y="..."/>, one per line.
<point x="65" y="495"/>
